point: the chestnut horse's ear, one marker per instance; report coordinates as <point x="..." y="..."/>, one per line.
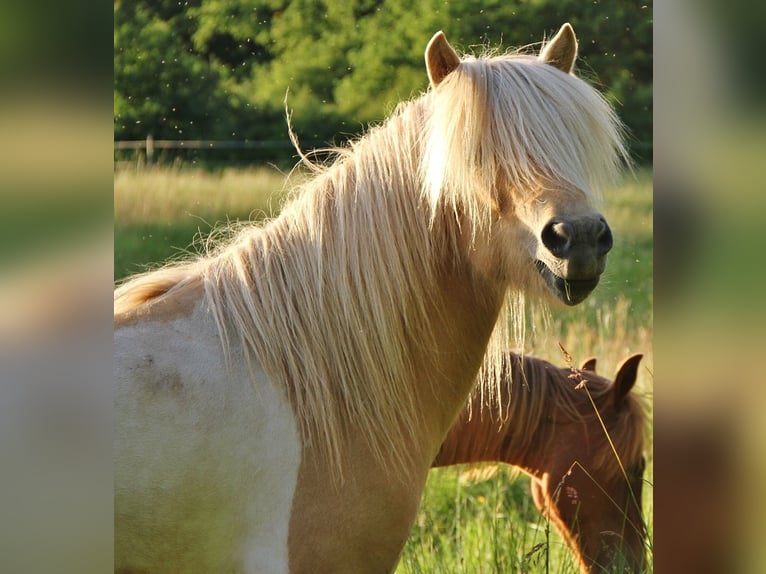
<point x="561" y="51"/>
<point x="589" y="365"/>
<point x="625" y="378"/>
<point x="441" y="59"/>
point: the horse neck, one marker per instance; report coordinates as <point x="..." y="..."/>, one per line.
<point x="474" y="438"/>
<point x="469" y="311"/>
<point x="359" y="252"/>
<point x="514" y="432"/>
<point x="462" y="304"/>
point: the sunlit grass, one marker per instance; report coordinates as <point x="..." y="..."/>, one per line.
<point x="469" y="524"/>
<point x="172" y="195"/>
<point x="162" y="213"/>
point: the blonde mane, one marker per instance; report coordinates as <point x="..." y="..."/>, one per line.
<point x="510" y="121"/>
<point x="331" y="297"/>
<point x="153" y="286"/>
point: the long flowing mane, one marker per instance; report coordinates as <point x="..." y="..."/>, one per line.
<point x="332" y="296"/>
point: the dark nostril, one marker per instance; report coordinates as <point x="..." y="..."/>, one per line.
<point x="604" y="240"/>
<point x="557" y="236"/>
<point x="563" y="237"/>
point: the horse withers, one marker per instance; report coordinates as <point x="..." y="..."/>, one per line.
<point x="279" y="401"/>
<point x="580" y="438"/>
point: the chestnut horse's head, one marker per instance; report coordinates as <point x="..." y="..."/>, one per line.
<point x="591" y="484"/>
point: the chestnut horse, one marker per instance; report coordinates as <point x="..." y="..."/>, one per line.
<point x="279" y="401"/>
<point x="580" y="438"/>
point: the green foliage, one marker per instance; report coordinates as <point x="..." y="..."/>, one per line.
<point x="162" y="87"/>
<point x="222" y="68"/>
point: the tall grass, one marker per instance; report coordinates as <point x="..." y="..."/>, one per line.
<point x="465" y="524"/>
<point x="163" y="213"/>
<point x="470" y="523"/>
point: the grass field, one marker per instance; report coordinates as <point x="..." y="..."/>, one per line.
<point x="465" y="525"/>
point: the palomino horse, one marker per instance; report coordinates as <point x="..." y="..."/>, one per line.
<point x="580" y="438"/>
<point x="279" y="401"/>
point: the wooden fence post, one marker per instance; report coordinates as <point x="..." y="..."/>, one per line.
<point x="149" y="149"/>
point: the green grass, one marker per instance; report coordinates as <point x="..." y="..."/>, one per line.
<point x="469" y="524"/>
<point x="163" y="213"/>
<point x="463" y="526"/>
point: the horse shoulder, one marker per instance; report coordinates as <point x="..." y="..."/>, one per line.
<point x="207" y="451"/>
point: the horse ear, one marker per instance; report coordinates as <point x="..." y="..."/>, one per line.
<point x="625" y="378"/>
<point x="441" y="59"/>
<point x="589" y="365"/>
<point x="561" y="51"/>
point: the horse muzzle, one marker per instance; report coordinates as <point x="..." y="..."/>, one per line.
<point x="572" y="255"/>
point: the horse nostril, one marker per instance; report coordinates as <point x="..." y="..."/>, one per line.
<point x="565" y="237"/>
<point x="556" y="237"/>
<point x="604" y="240"/>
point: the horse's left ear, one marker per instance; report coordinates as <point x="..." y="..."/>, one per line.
<point x="589" y="364"/>
<point x="441" y="59"/>
<point x="625" y="378"/>
<point x="561" y="51"/>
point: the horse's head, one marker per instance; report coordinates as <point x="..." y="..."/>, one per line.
<point x="570" y="241"/>
<point x="593" y="500"/>
<point x="522" y="146"/>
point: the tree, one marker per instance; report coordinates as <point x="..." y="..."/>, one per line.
<point x="162" y="87"/>
<point x="222" y="68"/>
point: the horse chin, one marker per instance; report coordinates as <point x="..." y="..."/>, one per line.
<point x="568" y="291"/>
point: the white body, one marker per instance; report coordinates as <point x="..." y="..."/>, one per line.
<point x="194" y="434"/>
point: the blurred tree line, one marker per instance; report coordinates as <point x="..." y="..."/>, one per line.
<point x="220" y="69"/>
